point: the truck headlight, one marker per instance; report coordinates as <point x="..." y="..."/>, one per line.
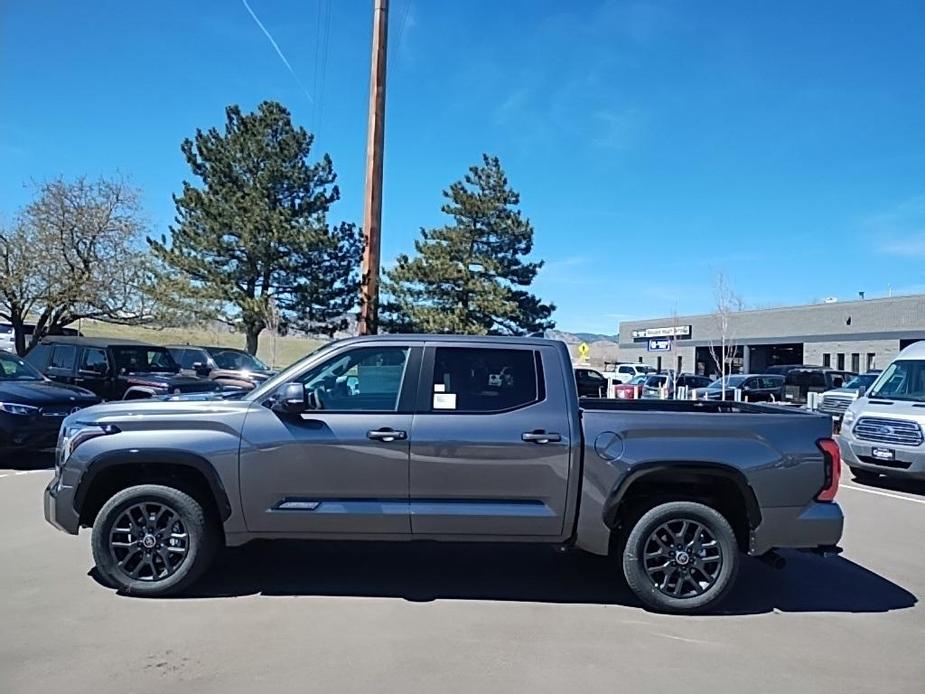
<point x="76" y="434"/>
<point x="16" y="408"/>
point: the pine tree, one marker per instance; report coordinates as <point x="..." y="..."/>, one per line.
<point x="470" y="277"/>
<point x="255" y="233"/>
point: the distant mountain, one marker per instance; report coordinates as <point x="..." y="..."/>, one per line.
<point x="575" y="338"/>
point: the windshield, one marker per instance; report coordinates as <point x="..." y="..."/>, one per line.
<point x="638" y="380"/>
<point x="15" y="369"/>
<point x="862" y="381"/>
<point x="731" y="381"/>
<point x="903" y="380"/>
<point x="144" y="359"/>
<point x="237" y="360"/>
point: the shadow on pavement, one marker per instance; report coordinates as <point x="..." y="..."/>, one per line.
<point x="893" y="485"/>
<point x="524" y="573"/>
<point x="27" y="460"/>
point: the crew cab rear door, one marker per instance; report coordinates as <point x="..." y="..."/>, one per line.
<point x="491" y="440"/>
<point x="341" y="467"/>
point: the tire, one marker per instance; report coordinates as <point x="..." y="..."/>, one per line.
<point x="864" y="475"/>
<point x="694" y="579"/>
<point x="183" y="540"/>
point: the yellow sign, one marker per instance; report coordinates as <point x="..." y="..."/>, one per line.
<point x="584" y="350"/>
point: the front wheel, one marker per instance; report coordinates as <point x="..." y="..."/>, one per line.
<point x="152" y="540"/>
<point x="681" y="557"/>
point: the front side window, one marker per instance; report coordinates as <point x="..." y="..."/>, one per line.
<point x="63" y="357"/>
<point x="367" y="379"/>
<point x="191" y="357"/>
<point x="236" y="360"/>
<point x="142" y="359"/>
<point x="94" y="360"/>
<point x="484" y="380"/>
<point x="626" y="370"/>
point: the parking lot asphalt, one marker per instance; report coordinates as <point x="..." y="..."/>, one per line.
<point x="423" y="617"/>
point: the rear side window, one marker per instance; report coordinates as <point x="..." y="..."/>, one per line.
<point x="484" y="380"/>
<point x="63" y="357"/>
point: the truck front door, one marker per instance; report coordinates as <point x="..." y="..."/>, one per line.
<point x="341" y="467"/>
<point x="490" y="443"/>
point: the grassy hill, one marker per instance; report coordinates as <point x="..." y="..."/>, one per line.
<point x="287" y="349"/>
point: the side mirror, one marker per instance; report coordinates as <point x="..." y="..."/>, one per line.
<point x="862" y="391"/>
<point x="290" y="399"/>
<point x="201" y="369"/>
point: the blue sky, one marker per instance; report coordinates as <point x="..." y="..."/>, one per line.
<point x="654" y="144"/>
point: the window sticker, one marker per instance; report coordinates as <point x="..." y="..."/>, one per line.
<point x="439" y="388"/>
<point x="444" y="401"/>
<point x="494" y="380"/>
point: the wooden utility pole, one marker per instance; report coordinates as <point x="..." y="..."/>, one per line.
<point x="368" y="323"/>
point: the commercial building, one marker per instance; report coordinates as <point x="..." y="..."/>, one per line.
<point x="846" y="335"/>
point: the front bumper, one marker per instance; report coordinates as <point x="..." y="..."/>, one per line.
<point x="59" y="505"/>
<point x="819" y="524"/>
<point x="909" y="462"/>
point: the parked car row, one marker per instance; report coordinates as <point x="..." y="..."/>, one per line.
<point x="65" y="373"/>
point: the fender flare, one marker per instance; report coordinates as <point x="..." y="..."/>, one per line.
<point x="154" y="456"/>
<point x="615" y="498"/>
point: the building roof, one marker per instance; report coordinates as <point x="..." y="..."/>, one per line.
<point x="899" y="317"/>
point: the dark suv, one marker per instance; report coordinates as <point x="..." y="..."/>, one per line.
<point x="227" y="366"/>
<point x="802" y="379"/>
<point x="114" y="369"/>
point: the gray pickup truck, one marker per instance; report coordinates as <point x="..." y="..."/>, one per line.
<point x="447" y="438"/>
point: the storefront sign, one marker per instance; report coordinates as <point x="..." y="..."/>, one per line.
<point x="682" y="331"/>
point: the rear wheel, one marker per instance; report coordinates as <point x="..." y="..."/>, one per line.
<point x="152" y="540"/>
<point x="681" y="557"/>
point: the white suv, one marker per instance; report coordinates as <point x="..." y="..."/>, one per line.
<point x="882" y="431"/>
<point x="624" y="373"/>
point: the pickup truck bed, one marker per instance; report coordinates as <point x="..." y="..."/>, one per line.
<point x="776" y="465"/>
<point x="447" y="438"/>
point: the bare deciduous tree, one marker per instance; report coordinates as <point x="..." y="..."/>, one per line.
<point x="728" y="302"/>
<point x="75" y="252"/>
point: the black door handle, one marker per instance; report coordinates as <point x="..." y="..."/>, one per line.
<point x="540" y="437"/>
<point x="386" y="435"/>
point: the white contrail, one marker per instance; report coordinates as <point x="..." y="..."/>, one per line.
<point x="277" y="49"/>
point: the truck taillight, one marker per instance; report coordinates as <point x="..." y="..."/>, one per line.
<point x="832" y="461"/>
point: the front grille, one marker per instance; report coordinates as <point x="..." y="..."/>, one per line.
<point x="835" y="404"/>
<point x="882" y="430"/>
<point x="59" y="410"/>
